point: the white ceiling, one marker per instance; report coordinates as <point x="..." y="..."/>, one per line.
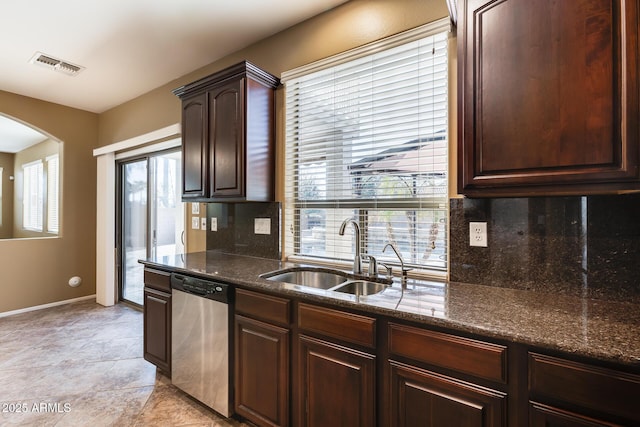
<point x="129" y="47"/>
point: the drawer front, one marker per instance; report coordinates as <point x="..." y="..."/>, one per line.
<point x="481" y="359"/>
<point x="587" y="386"/>
<point x="347" y="327"/>
<point x="548" y="416"/>
<point x="263" y="307"/>
<point x="156" y="279"/>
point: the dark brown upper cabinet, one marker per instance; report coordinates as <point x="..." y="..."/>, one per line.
<point x="549" y="100"/>
<point x="228" y="137"/>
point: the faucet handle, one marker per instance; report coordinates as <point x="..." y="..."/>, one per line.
<point x="403" y="270"/>
<point x="372" y="270"/>
<point x="389" y="270"/>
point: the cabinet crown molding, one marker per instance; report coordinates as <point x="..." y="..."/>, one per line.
<point x="239" y="70"/>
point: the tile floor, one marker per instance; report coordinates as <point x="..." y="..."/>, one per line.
<point x="81" y="364"/>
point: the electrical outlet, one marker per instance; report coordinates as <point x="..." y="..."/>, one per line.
<point x="203" y="223"/>
<point x="214" y="223"/>
<point x="478" y="234"/>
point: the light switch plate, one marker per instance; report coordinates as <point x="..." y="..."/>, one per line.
<point x="195" y="223"/>
<point x="195" y="208"/>
<point x="203" y="223"/>
<point x="214" y="223"/>
<point x="262" y="226"/>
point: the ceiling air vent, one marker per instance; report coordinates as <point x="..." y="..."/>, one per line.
<point x="56" y="64"/>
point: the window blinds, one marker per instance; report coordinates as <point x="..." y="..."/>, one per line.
<point x="32" y="196"/>
<point x="53" y="186"/>
<point x="366" y="137"/>
<point x="0" y="196"/>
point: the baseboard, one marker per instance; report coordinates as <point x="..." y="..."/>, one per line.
<point x="51" y="304"/>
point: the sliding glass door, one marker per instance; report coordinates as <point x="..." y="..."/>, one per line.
<point x="151" y="217"/>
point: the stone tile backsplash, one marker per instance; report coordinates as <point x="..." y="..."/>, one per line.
<point x="236" y="229"/>
<point x="587" y="246"/>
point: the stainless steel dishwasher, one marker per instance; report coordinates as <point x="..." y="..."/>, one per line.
<point x="200" y="344"/>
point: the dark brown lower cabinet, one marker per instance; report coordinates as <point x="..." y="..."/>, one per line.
<point x="424" y="398"/>
<point x="262" y="372"/>
<point x="308" y="365"/>
<point x="585" y="390"/>
<point x="548" y="416"/>
<point x="337" y="385"/>
<point x="157" y="328"/>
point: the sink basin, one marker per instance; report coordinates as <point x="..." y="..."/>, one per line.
<point x="361" y="288"/>
<point x="312" y="278"/>
<point x="321" y="278"/>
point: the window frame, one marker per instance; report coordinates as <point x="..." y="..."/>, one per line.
<point x="52" y="227"/>
<point x="292" y="244"/>
<point x="1" y="181"/>
<point x="28" y="205"/>
<point x="44" y="203"/>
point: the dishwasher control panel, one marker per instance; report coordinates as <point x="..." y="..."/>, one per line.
<point x="205" y="288"/>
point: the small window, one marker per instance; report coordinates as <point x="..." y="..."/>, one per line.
<point x="53" y="187"/>
<point x="366" y="137"/>
<point x="33" y="195"/>
<point x="0" y="196"/>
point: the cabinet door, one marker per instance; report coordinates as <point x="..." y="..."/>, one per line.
<point x="548" y="96"/>
<point x="194" y="147"/>
<point x="422" y="398"/>
<point x="337" y="385"/>
<point x="226" y="140"/>
<point x="157" y="329"/>
<point x="262" y="372"/>
<point x="547" y="416"/>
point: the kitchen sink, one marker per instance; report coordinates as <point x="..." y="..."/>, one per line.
<point x="361" y="287"/>
<point x="330" y="280"/>
<point x="311" y="277"/>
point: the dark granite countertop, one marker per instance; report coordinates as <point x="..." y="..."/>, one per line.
<point x="604" y="330"/>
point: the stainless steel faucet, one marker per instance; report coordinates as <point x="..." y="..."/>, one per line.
<point x="357" y="259"/>
<point x="402" y="269"/>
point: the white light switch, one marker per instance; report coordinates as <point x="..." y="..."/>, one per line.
<point x="195" y="223"/>
<point x="195" y="208"/>
<point x="214" y="223"/>
<point x="262" y="226"/>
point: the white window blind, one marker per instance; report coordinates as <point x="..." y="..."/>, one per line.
<point x="366" y="137"/>
<point x="53" y="186"/>
<point x="32" y="195"/>
<point x="0" y="196"/>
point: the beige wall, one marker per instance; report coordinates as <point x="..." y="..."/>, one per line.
<point x="6" y="221"/>
<point x="196" y="239"/>
<point x="351" y="25"/>
<point x="37" y="271"/>
<point x="348" y="26"/>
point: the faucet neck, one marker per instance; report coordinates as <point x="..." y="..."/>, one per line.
<point x="357" y="259"/>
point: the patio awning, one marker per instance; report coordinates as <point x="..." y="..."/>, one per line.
<point x="425" y="156"/>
